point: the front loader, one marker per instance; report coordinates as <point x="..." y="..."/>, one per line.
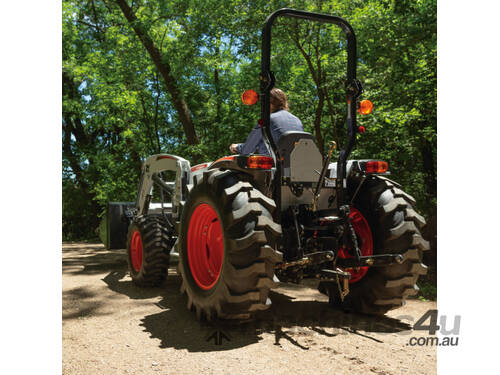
<point x="243" y="222"/>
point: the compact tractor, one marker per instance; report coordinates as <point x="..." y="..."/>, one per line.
<point x="242" y="223"/>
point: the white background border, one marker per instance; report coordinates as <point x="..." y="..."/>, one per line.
<point x="468" y="184"/>
<point x="30" y="166"/>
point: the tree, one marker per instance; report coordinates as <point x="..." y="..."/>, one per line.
<point x="165" y="70"/>
<point x="166" y="76"/>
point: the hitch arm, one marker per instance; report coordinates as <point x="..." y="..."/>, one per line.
<point x="381" y="260"/>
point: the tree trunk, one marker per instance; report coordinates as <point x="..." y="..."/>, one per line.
<point x="426" y="150"/>
<point x="72" y="125"/>
<point x="332" y="120"/>
<point x="165" y="70"/>
<point x="218" y="97"/>
<point x="74" y="163"/>
<point x="317" y="120"/>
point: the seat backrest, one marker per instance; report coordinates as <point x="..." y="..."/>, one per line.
<point x="300" y="156"/>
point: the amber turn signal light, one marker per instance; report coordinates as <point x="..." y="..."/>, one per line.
<point x="376" y="166"/>
<point x="249" y="97"/>
<point x="260" y="162"/>
<point x="365" y="107"/>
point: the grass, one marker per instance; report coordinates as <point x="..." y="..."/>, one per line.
<point x="428" y="291"/>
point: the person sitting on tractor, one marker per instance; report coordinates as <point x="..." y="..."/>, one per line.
<point x="281" y="121"/>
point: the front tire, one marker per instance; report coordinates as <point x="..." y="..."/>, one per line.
<point x="148" y="249"/>
<point x="395" y="229"/>
<point x="226" y="247"/>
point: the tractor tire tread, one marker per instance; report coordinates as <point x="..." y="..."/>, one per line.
<point x="248" y="272"/>
<point x="156" y="249"/>
<point x="396" y="230"/>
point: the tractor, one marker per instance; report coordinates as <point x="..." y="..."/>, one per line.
<point x="240" y="224"/>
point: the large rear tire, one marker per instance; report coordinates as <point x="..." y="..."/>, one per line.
<point x="395" y="228"/>
<point x="148" y="249"/>
<point x="226" y="247"/>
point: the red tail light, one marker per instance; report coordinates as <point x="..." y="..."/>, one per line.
<point x="376" y="166"/>
<point x="260" y="162"/>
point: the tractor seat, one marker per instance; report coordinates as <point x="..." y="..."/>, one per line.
<point x="300" y="157"/>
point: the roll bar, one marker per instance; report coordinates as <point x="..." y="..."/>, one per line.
<point x="353" y="86"/>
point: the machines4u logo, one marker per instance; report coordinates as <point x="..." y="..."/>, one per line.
<point x="448" y="333"/>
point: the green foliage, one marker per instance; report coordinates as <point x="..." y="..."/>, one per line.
<point x="428" y="291"/>
<point x="117" y="110"/>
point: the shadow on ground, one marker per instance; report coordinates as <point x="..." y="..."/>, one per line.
<point x="174" y="326"/>
<point x="287" y="319"/>
<point x="91" y="259"/>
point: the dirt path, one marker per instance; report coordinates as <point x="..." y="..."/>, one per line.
<point x="111" y="326"/>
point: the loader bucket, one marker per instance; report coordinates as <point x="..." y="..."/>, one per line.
<point x="114" y="225"/>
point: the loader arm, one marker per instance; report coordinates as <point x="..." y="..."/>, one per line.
<point x="154" y="165"/>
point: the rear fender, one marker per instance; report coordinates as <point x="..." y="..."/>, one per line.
<point x="260" y="178"/>
<point x="353" y="166"/>
<point x="198" y="170"/>
<point x="332" y="169"/>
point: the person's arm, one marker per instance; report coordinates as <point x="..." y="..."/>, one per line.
<point x="253" y="140"/>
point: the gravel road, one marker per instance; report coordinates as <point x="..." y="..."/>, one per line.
<point x="111" y="326"/>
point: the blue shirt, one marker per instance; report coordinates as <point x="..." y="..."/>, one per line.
<point x="281" y="121"/>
